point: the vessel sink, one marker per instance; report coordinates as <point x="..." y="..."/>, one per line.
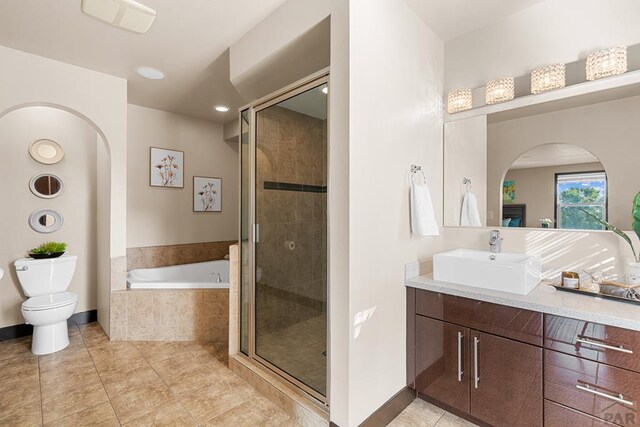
<point x="506" y="272"/>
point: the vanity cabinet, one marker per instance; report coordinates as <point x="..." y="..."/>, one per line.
<point x="466" y="358"/>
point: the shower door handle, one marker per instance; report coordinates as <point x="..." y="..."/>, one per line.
<point x="256" y="233"/>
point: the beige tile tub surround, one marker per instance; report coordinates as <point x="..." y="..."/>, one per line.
<point x="189" y="253"/>
<point x="171" y="315"/>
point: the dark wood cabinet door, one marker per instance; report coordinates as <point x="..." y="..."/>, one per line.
<point x="560" y="416"/>
<point x="609" y="393"/>
<point x="606" y="344"/>
<point x="506" y="381"/>
<point x="509" y="322"/>
<point x="442" y="362"/>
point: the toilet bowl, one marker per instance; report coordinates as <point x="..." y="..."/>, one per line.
<point x="45" y="281"/>
<point x="48" y="314"/>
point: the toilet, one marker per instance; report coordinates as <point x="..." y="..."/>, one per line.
<point x="45" y="282"/>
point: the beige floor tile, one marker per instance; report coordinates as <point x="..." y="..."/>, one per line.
<point x="255" y="412"/>
<point x="69" y="358"/>
<point x="140" y="401"/>
<point x="158" y="351"/>
<point x="170" y="415"/>
<point x="61" y="405"/>
<point x="450" y="420"/>
<point x="184" y="384"/>
<point x="117" y="356"/>
<point x="418" y="414"/>
<point x="118" y="381"/>
<point x="93" y="335"/>
<point x="54" y="382"/>
<point x="207" y="404"/>
<point x="19" y="365"/>
<point x="100" y="415"/>
<point x="18" y="390"/>
<point x="12" y="348"/>
<point x="29" y="414"/>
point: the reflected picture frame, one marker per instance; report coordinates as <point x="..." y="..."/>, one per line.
<point x="166" y="168"/>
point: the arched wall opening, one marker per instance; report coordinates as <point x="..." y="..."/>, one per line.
<point x="84" y="202"/>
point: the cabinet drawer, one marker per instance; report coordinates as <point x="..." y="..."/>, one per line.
<point x="600" y="390"/>
<point x="605" y="344"/>
<point x="560" y="416"/>
<point x="509" y="322"/>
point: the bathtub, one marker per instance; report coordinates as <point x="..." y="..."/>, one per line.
<point x="201" y="275"/>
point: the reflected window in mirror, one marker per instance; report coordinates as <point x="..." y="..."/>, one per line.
<point x="577" y="193"/>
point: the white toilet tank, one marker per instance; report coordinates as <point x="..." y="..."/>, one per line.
<point x="45" y="276"/>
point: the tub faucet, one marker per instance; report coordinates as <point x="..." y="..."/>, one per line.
<point x="218" y="278"/>
<point x="495" y="241"/>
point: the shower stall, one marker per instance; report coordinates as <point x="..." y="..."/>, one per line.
<point x="283" y="227"/>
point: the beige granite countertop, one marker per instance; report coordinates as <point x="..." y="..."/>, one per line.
<point x="544" y="298"/>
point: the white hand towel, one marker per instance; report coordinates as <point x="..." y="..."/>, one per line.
<point x="423" y="219"/>
<point x="469" y="215"/>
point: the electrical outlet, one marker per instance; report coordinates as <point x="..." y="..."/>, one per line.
<point x="489" y="214"/>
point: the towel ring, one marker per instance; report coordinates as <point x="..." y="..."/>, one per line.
<point x="414" y="171"/>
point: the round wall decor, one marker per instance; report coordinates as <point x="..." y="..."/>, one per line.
<point x="46" y="151"/>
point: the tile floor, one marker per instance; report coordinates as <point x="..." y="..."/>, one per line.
<point x="95" y="381"/>
<point x="424" y="414"/>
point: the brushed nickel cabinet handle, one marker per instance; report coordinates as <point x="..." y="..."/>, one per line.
<point x="619" y="348"/>
<point x="619" y="398"/>
<point x="460" y="371"/>
<point x="476" y="376"/>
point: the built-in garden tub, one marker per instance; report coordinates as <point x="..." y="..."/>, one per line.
<point x="201" y="275"/>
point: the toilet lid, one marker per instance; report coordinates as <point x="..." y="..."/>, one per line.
<point x="45" y="302"/>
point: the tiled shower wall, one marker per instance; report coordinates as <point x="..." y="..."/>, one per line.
<point x="292" y="149"/>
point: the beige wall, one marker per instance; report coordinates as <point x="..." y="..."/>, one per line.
<point x="77" y="202"/>
<point x="164" y="216"/>
<point x="608" y="130"/>
<point x="535" y="187"/>
<point x="101" y="100"/>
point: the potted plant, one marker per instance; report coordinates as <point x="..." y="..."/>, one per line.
<point x="633" y="268"/>
<point x="545" y="222"/>
<point x="48" y="250"/>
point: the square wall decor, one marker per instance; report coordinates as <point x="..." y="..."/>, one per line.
<point x="207" y="194"/>
<point x="166" y="168"/>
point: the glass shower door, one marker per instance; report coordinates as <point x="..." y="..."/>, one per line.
<point x="290" y="258"/>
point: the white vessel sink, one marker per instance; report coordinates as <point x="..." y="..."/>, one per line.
<point x="506" y="272"/>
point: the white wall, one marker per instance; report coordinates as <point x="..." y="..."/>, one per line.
<point x="76" y="203"/>
<point x="98" y="98"/>
<point x="161" y="216"/>
<point x="395" y="120"/>
<point x="552" y="31"/>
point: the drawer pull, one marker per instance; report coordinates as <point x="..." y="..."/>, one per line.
<point x="619" y="348"/>
<point x="619" y="398"/>
<point x="476" y="376"/>
<point x="460" y="371"/>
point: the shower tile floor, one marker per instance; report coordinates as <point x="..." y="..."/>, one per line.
<point x="95" y="381"/>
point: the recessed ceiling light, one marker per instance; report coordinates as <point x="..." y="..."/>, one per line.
<point x="325" y="90"/>
<point x="150" y="73"/>
<point x="221" y="108"/>
<point x="127" y="14"/>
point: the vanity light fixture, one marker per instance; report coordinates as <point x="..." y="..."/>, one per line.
<point x="607" y="62"/>
<point x="221" y="108"/>
<point x="548" y="77"/>
<point x="500" y="90"/>
<point x="150" y="73"/>
<point x="459" y="100"/>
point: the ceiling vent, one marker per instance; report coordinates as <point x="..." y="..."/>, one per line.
<point x="127" y="14"/>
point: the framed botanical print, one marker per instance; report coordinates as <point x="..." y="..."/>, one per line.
<point x="207" y="194"/>
<point x="166" y="168"/>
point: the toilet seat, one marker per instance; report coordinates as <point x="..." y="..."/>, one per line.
<point x="50" y="301"/>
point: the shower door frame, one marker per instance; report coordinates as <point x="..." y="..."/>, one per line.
<point x="314" y="80"/>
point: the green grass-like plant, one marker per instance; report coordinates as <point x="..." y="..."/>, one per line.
<point x="635" y="225"/>
<point x="49" y="248"/>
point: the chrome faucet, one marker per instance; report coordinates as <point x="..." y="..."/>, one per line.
<point x="218" y="277"/>
<point x="495" y="241"/>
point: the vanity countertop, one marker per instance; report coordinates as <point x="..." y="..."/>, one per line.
<point x="545" y="299"/>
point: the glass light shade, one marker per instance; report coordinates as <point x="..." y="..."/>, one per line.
<point x="459" y="100"/>
<point x="500" y="90"/>
<point x="607" y="62"/>
<point x="548" y="77"/>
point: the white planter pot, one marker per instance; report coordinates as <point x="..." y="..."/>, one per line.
<point x="633" y="273"/>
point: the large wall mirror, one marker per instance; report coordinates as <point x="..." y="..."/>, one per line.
<point x="540" y="167"/>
